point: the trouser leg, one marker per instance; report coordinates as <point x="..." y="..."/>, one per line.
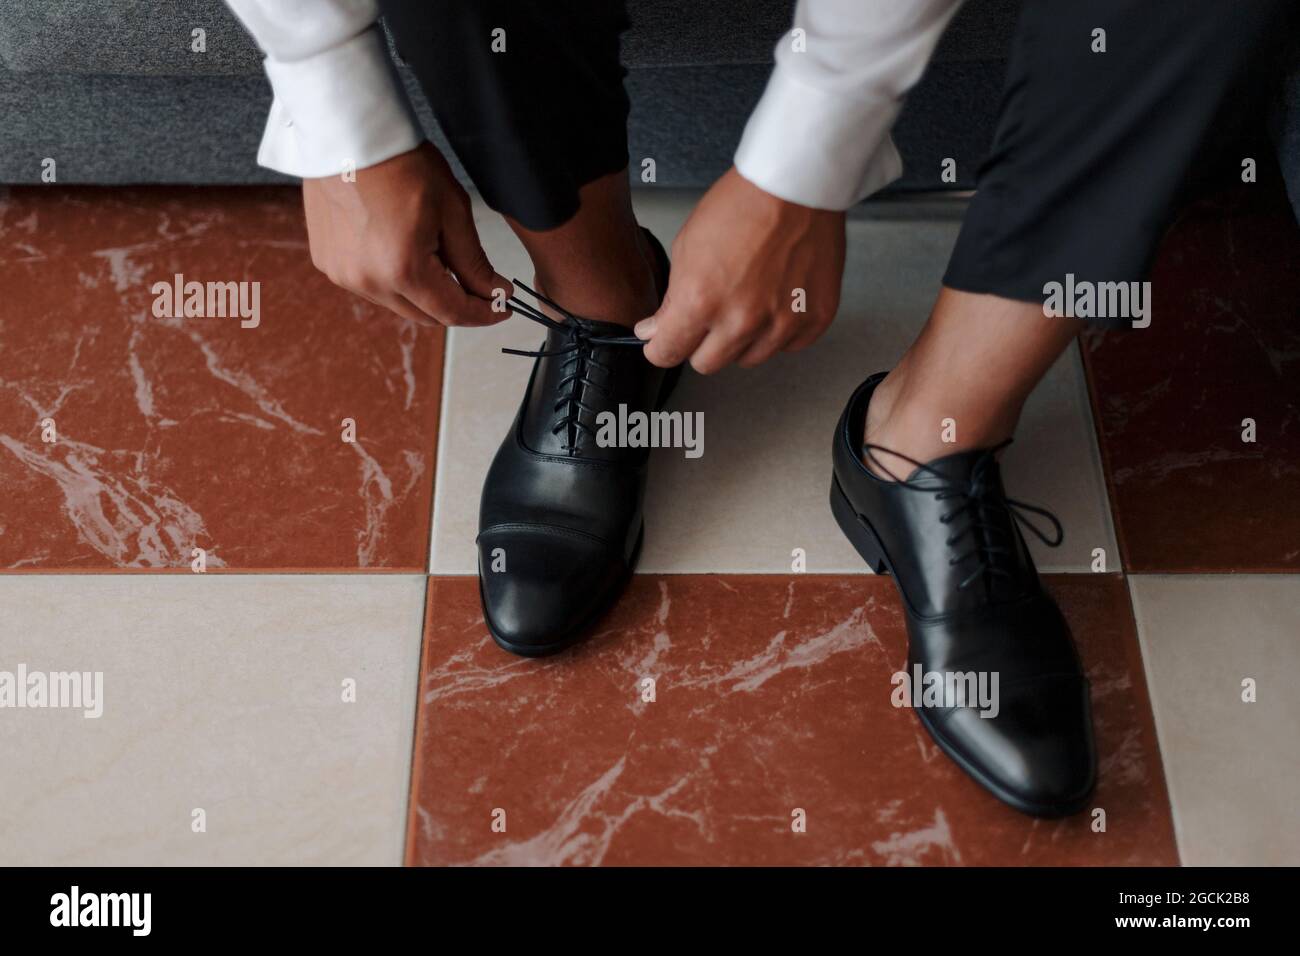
<point x="1095" y="150"/>
<point x="530" y="94"/>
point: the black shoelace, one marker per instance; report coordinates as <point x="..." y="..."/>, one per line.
<point x="579" y="347"/>
<point x="977" y="497"/>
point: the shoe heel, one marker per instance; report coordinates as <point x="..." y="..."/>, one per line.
<point x="856" y="530"/>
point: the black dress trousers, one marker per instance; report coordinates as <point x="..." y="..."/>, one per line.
<point x="1101" y="137"/>
<point x="530" y="94"/>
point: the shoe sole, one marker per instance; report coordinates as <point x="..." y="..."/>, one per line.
<point x="866" y="542"/>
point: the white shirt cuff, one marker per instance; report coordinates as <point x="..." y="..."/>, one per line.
<point x="819" y="149"/>
<point x="339" y="109"/>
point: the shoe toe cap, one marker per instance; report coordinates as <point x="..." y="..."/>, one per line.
<point x="541" y="590"/>
<point x="1038" y="749"/>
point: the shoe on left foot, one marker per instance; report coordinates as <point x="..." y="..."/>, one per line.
<point x="949" y="536"/>
<point x="560" y="519"/>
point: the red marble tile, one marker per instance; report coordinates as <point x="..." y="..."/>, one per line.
<point x="175" y="433"/>
<point x="1188" y="494"/>
<point x="772" y="693"/>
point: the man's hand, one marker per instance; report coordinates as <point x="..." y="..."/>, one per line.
<point x="752" y="275"/>
<point x="399" y="234"/>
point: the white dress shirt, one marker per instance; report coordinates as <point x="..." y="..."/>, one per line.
<point x="338" y="99"/>
<point x="818" y="137"/>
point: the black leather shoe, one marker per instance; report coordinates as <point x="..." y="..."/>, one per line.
<point x="560" y="520"/>
<point x="974" y="605"/>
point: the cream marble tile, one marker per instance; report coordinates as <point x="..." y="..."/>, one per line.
<point x="222" y="693"/>
<point x="760" y="488"/>
<point x="1233" y="768"/>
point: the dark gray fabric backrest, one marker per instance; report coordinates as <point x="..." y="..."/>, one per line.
<point x="124" y="37"/>
<point x="154" y="37"/>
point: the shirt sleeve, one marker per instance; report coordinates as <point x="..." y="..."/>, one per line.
<point x="819" y="136"/>
<point x="338" y="100"/>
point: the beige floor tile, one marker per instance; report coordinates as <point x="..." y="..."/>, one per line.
<point x="759" y="491"/>
<point x="222" y="693"/>
<point x="1233" y="768"/>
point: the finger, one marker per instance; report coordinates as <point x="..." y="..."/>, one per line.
<point x="816" y="322"/>
<point x="674" y="335"/>
<point x="773" y="340"/>
<point x="723" y="345"/>
<point x="463" y="254"/>
<point x="405" y="307"/>
<point x="806" y="337"/>
<point x="399" y="305"/>
<point x="437" y="293"/>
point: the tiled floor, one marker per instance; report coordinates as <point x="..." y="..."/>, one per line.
<point x="222" y="694"/>
<point x="1194" y="490"/>
<point x="771" y="695"/>
<point x="345" y="717"/>
<point x="175" y="434"/>
<point x="1232" y="761"/>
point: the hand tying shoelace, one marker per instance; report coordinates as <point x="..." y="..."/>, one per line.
<point x="977" y="495"/>
<point x="582" y="341"/>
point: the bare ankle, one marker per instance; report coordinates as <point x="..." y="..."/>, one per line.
<point x="623" y="294"/>
<point x="916" y="428"/>
<point x="884" y="397"/>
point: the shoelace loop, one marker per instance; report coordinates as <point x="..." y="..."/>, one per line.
<point x="581" y="341"/>
<point x="976" y="495"/>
